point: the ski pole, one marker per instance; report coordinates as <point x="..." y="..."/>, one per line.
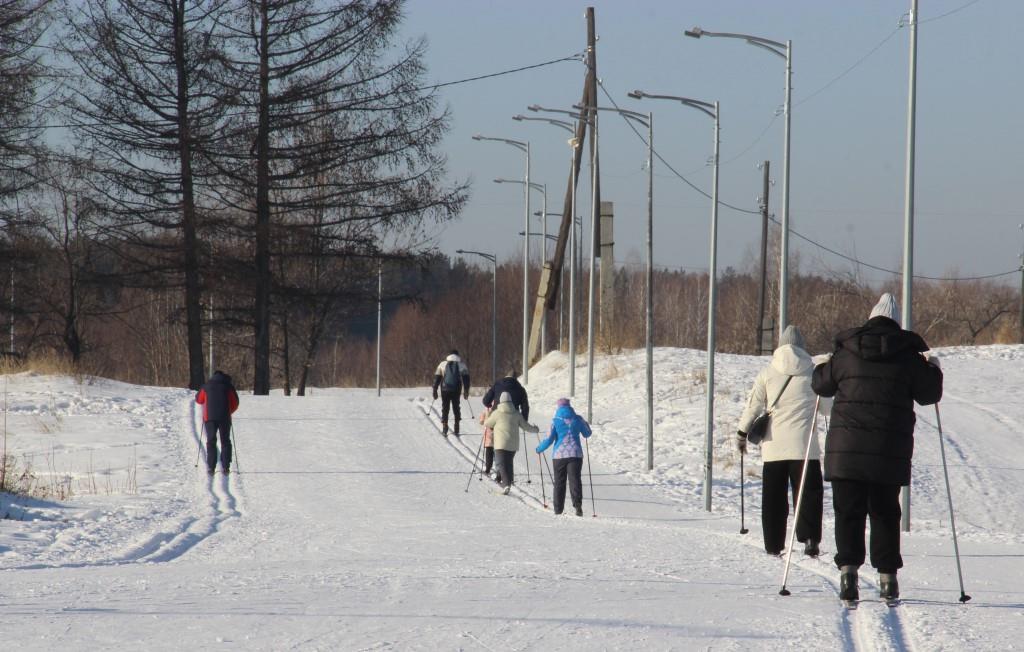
<point x="475" y="459"/>
<point x="543" y="492"/>
<point x="743" y="527"/>
<point x="527" y="458"/>
<point x="952" y="523"/>
<point x="470" y="405"/>
<point x="800" y="494"/>
<point x="234" y="450"/>
<point x="199" y="445"/>
<point x="593" y="505"/>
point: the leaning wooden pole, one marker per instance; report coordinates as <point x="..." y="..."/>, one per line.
<point x="548" y="287"/>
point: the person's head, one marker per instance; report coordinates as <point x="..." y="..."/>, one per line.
<point x="511" y="373"/>
<point x="886" y="307"/>
<point x="454" y="352"/>
<point x="562" y="402"/>
<point x="505" y="398"/>
<point x="792" y="335"/>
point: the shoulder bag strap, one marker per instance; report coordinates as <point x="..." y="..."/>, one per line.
<point x="780" y="394"/>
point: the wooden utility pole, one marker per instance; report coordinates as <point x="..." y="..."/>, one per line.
<point x="548" y="287"/>
<point x="760" y="348"/>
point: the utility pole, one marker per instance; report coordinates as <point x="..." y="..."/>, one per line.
<point x="1019" y="226"/>
<point x="548" y="288"/>
<point x="759" y="347"/>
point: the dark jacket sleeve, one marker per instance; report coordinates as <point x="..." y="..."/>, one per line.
<point x="927" y="382"/>
<point x="437" y="382"/>
<point x="465" y="382"/>
<point x="489" y="397"/>
<point x="524" y="407"/>
<point x="822" y="381"/>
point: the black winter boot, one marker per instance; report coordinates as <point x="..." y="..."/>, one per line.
<point x="889" y="588"/>
<point x="811" y="548"/>
<point x="848" y="589"/>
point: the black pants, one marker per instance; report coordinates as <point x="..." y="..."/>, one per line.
<point x="488" y="458"/>
<point x="777" y="478"/>
<point x="450" y="399"/>
<point x="854" y="502"/>
<point x="503" y="460"/>
<point x="212" y="428"/>
<point x="567" y="468"/>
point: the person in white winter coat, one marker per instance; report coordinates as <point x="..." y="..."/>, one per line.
<point x="785" y="444"/>
<point x="506" y="422"/>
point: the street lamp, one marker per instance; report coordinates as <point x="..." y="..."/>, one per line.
<point x="494" y="305"/>
<point x="784" y="50"/>
<point x="542" y="188"/>
<point x="523" y="146"/>
<point x="646" y="121"/>
<point x="710" y="109"/>
<point x="573" y="240"/>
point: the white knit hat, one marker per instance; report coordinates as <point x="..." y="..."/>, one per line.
<point x="886" y="307"/>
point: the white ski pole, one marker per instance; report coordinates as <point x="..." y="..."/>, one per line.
<point x="949" y="496"/>
<point x="800" y="494"/>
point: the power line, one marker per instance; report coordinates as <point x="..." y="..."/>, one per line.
<point x="949" y="13"/>
<point x="797" y="234"/>
<point x="850" y="69"/>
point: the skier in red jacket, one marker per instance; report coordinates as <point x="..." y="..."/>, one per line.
<point x="219" y="400"/>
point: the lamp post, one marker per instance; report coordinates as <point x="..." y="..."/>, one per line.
<point x="646" y="121"/>
<point x="710" y="109"/>
<point x="543" y="190"/>
<point x="784" y="50"/>
<point x="573" y="240"/>
<point x="523" y="146"/>
<point x="908" y="221"/>
<point x="494" y="305"/>
<point x="380" y="316"/>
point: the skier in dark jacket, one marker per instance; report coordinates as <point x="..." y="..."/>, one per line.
<point x="452" y="377"/>
<point x="876" y="373"/>
<point x="219" y="400"/>
<point x="510" y="384"/>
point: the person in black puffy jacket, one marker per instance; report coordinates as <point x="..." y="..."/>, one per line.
<point x="510" y="383"/>
<point x="876" y="373"/>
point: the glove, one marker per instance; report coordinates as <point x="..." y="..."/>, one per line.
<point x="435" y="394"/>
<point x="934" y="360"/>
<point x="465" y="394"/>
<point x="537" y="450"/>
<point x="741" y="442"/>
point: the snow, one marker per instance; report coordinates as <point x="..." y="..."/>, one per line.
<point x="351" y="524"/>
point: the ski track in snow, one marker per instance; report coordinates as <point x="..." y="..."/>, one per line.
<point x="179" y="535"/>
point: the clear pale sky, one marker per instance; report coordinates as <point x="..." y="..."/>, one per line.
<point x="848" y="140"/>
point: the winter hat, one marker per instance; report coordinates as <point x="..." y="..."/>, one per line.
<point x="505" y="398"/>
<point x="562" y="402"/>
<point x="886" y="307"/>
<point x="792" y="335"/>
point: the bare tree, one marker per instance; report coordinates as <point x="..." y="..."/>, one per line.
<point x="147" y="105"/>
<point x="331" y="128"/>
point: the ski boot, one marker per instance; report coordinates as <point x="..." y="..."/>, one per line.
<point x="811" y="548"/>
<point x="848" y="590"/>
<point x="889" y="588"/>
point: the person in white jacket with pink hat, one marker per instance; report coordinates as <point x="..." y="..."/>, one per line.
<point x="786" y="382"/>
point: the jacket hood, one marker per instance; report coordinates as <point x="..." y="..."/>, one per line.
<point x="220" y="377"/>
<point x="791" y="360"/>
<point x="506" y="407"/>
<point x="565" y="412"/>
<point x="880" y="338"/>
<point x="452" y="357"/>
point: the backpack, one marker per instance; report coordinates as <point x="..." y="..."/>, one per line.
<point x="452" y="381"/>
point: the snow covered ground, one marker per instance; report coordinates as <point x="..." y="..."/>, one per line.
<point x="352" y="525"/>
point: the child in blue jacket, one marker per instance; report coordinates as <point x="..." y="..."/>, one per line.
<point x="566" y="427"/>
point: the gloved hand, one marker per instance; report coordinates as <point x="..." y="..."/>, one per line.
<point x="741" y="442"/>
<point x="537" y="450"/>
<point x="435" y="394"/>
<point x="465" y="394"/>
